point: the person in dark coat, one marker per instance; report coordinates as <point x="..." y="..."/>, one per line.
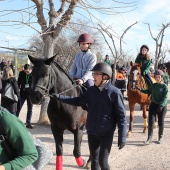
<point x="2" y="66"/>
<point x="24" y="83"/>
<point x="8" y="77"/>
<point x="106" y="110"/>
<point x="120" y="82"/>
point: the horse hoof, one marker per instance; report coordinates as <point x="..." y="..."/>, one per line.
<point x="144" y="131"/>
<point x="88" y="165"/>
<point x="129" y="134"/>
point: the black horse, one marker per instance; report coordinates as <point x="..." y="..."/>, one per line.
<point x="47" y="78"/>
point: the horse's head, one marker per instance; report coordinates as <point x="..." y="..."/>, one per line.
<point x="42" y="81"/>
<point x="135" y="74"/>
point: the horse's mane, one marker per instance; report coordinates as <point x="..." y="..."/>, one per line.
<point x="134" y="66"/>
<point x="62" y="70"/>
<point x="40" y="66"/>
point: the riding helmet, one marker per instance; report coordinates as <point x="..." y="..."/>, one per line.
<point x="144" y="46"/>
<point x="158" y="72"/>
<point x="85" y="38"/>
<point x="164" y="67"/>
<point x="103" y="68"/>
<point x="122" y="68"/>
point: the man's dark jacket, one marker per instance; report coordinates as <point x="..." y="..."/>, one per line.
<point x="22" y="82"/>
<point x="105" y="110"/>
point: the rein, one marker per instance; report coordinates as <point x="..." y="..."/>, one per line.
<point x="47" y="88"/>
<point x="65" y="90"/>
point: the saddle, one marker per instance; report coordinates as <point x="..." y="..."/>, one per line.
<point x="145" y="84"/>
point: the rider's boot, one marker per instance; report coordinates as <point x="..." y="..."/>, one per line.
<point x="160" y="134"/>
<point x="150" y="133"/>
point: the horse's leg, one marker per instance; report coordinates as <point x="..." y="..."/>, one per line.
<point x="131" y="119"/>
<point x="58" y="137"/>
<point x="78" y="133"/>
<point x="144" y="107"/>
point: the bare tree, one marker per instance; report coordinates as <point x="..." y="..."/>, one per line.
<point x="54" y="21"/>
<point x="163" y="54"/>
<point x="117" y="52"/>
<point x="158" y="41"/>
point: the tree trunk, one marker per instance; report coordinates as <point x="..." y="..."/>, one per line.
<point x="48" y="52"/>
<point x="156" y="64"/>
<point x="48" y="46"/>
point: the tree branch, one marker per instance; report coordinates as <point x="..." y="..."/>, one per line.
<point x="65" y="19"/>
<point x="121" y="38"/>
<point x="150" y="30"/>
<point x="41" y="19"/>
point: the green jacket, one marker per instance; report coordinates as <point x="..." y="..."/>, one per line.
<point x="146" y="62"/>
<point x="107" y="62"/>
<point x="159" y="93"/>
<point x="165" y="77"/>
<point x="20" y="140"/>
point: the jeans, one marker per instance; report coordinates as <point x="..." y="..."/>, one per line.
<point x="100" y="147"/>
<point x="148" y="79"/>
<point x="29" y="107"/>
<point x="153" y="112"/>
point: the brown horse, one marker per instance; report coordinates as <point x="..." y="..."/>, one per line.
<point x="135" y="96"/>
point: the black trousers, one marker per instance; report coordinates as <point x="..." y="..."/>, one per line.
<point x="100" y="147"/>
<point x="153" y="111"/>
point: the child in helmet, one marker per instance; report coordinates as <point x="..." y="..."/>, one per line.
<point x="158" y="106"/>
<point x="84" y="61"/>
<point x="144" y="58"/>
<point x="120" y="82"/>
<point x="165" y="77"/>
<point x="105" y="110"/>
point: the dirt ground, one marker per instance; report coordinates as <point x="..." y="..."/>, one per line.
<point x="134" y="156"/>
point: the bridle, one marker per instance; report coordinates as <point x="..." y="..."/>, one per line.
<point x="47" y="89"/>
<point x="135" y="81"/>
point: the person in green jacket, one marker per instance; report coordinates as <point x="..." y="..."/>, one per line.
<point x="20" y="140"/>
<point x="144" y="58"/>
<point x="107" y="60"/>
<point x="158" y="106"/>
<point x="166" y="79"/>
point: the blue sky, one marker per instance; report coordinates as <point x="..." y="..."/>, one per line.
<point x="154" y="12"/>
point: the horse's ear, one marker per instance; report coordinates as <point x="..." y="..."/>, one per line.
<point x="32" y="59"/>
<point x="131" y="63"/>
<point x="50" y="60"/>
<point x="140" y="65"/>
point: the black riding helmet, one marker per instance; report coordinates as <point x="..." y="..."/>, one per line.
<point x="103" y="68"/>
<point x="164" y="67"/>
<point x="122" y="68"/>
<point x="158" y="73"/>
